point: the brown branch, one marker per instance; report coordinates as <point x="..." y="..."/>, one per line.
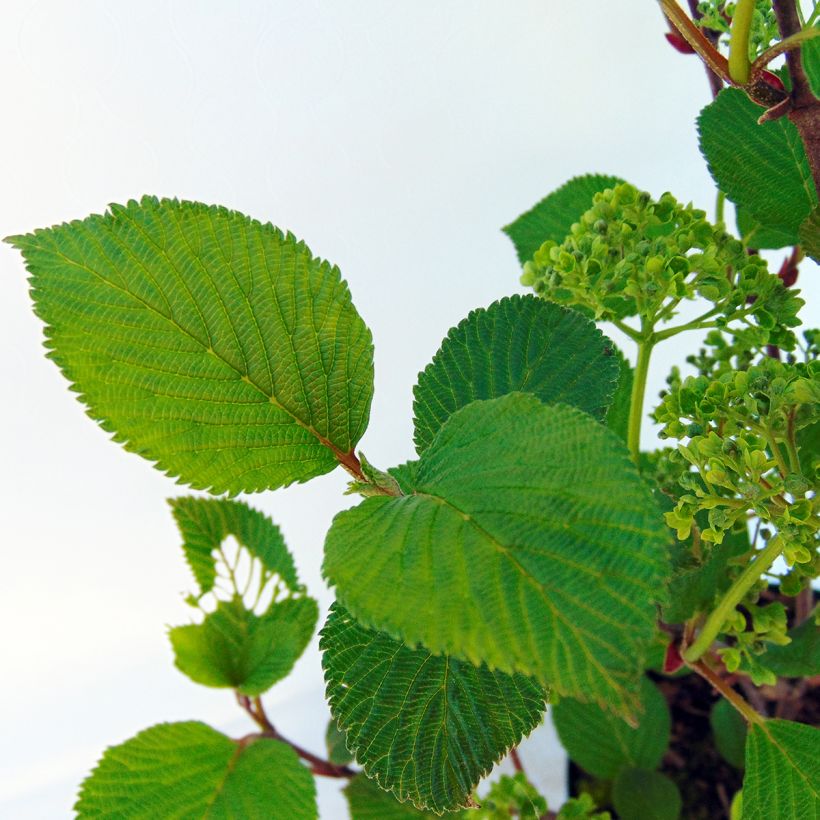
<point x="805" y="107"/>
<point x="516" y="760"/>
<point x="715" y="83"/>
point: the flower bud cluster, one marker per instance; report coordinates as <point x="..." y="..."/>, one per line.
<point x="716" y="15"/>
<point x="630" y="255"/>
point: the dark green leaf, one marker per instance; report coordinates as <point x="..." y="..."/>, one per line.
<point x="206" y="522"/>
<point x="520" y="343"/>
<point x="529" y="543"/>
<point x="603" y="744"/>
<point x="809" y="235"/>
<point x="757" y="237"/>
<point x="554" y="215"/>
<point x="427" y="727"/>
<point x="335" y="740"/>
<point x="801" y="657"/>
<point x="729" y="729"/>
<point x="190" y="771"/>
<point x="233" y="647"/>
<point x="211" y="344"/>
<point x="643" y="795"/>
<point x="762" y="168"/>
<point x="782" y="772"/>
<point x="369" y="802"/>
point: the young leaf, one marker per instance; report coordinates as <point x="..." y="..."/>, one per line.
<point x="369" y="802"/>
<point x="189" y="770"/>
<point x="638" y="794"/>
<point x="782" y="771"/>
<point x="553" y="216"/>
<point x="617" y="417"/>
<point x="209" y="343"/>
<point x="519" y="343"/>
<point x="233" y="647"/>
<point x="427" y="727"/>
<point x="206" y="522"/>
<point x="801" y="657"/>
<point x="603" y="744"/>
<point x="529" y="543"/>
<point x="729" y="729"/>
<point x="762" y="168"/>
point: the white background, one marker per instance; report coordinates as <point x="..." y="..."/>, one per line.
<point x="396" y="139"/>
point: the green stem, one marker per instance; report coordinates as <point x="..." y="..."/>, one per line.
<point x="791" y="446"/>
<point x="733" y="697"/>
<point x="735" y="594"/>
<point x="633" y="438"/>
<point x="719" y="206"/>
<point x="739" y="65"/>
<point x="778" y="456"/>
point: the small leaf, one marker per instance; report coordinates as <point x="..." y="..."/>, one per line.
<point x="617" y="417"/>
<point x="336" y="742"/>
<point x="211" y="344"/>
<point x="427" y="727"/>
<point x="368" y="802"/>
<point x="729" y="729"/>
<point x="782" y="771"/>
<point x="529" y="543"/>
<point x="554" y="215"/>
<point x="809" y="235"/>
<point x="759" y="238"/>
<point x="603" y="744"/>
<point x="762" y="168"/>
<point x="188" y="770"/>
<point x="511" y="796"/>
<point x="206" y="522"/>
<point x="801" y="657"/>
<point x="235" y="648"/>
<point x="643" y="795"/>
<point x="520" y="343"/>
<point x="810" y="54"/>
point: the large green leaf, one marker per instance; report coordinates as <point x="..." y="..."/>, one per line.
<point x="529" y="543"/>
<point x="762" y="168"/>
<point x="206" y="522"/>
<point x="189" y="771"/>
<point x="369" y="802"/>
<point x="638" y="794"/>
<point x="207" y="342"/>
<point x="519" y="343"/>
<point x="603" y="744"/>
<point x="782" y="772"/>
<point x="553" y="216"/>
<point x="801" y="657"/>
<point x="427" y="727"/>
<point x="233" y="647"/>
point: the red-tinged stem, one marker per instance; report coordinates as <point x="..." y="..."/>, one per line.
<point x="516" y="760"/>
<point x="733" y="697"/>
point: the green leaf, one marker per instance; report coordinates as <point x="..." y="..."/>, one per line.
<point x="206" y="522"/>
<point x="763" y="169"/>
<point x="521" y="343"/>
<point x="809" y="235"/>
<point x="554" y="215"/>
<point x="233" y="647"/>
<point x="368" y="802"/>
<point x="581" y="808"/>
<point x="603" y="744"/>
<point x="336" y="742"/>
<point x="729" y="729"/>
<point x="511" y="796"/>
<point x="757" y="237"/>
<point x="810" y="53"/>
<point x="529" y="543"/>
<point x="427" y="727"/>
<point x="801" y="657"/>
<point x="782" y="772"/>
<point x="209" y="343"/>
<point x="617" y="417"/>
<point x="643" y="795"/>
<point x="188" y="771"/>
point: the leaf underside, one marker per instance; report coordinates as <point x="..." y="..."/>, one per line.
<point x="207" y="342"/>
<point x="190" y="772"/>
<point x="529" y="543"/>
<point x="426" y="727"/>
<point x="520" y="343"/>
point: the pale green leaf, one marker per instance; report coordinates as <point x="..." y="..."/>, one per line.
<point x="762" y="168"/>
<point x="206" y="522"/>
<point x="233" y="647"/>
<point x="553" y="216"/>
<point x="427" y="727"/>
<point x="638" y="794"/>
<point x="602" y="744"/>
<point x="729" y="729"/>
<point x="529" y="543"/>
<point x="188" y="771"/>
<point x="209" y="343"/>
<point x="617" y="417"/>
<point x="369" y="802"/>
<point x="810" y="54"/>
<point x="521" y="343"/>
<point x="782" y="772"/>
<point x="511" y="796"/>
